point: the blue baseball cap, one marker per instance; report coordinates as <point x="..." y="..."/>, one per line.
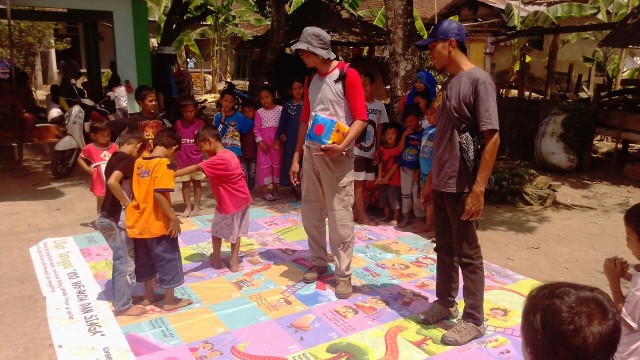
<point x="444" y="29"/>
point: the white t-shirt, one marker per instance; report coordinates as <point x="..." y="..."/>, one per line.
<point x="366" y="142"/>
<point x="121" y="96"/>
<point x="629" y="346"/>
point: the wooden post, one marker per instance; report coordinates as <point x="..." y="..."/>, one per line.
<point x="592" y="79"/>
<point x="522" y="76"/>
<point x="578" y="86"/>
<point x="551" y="65"/>
<point x="623" y="56"/>
<point x="569" y="78"/>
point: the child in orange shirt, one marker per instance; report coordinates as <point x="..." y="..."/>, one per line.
<point x="153" y="225"/>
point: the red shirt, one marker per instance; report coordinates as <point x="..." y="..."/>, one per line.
<point x="354" y="95"/>
<point x="227" y="182"/>
<point x="388" y="158"/>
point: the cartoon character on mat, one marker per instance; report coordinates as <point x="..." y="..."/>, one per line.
<point x="205" y="351"/>
<point x="499" y="313"/>
<point x="408" y="297"/>
<point x="371" y="272"/>
<point x="280" y="303"/>
<point x="347" y="312"/>
<point x="426" y="285"/>
<point x="243" y="283"/>
<point x="371" y="305"/>
<point x="424" y="261"/>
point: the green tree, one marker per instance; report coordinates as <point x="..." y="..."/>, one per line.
<point x="29" y="39"/>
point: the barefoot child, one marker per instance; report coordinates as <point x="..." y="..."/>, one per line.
<point x="616" y="268"/>
<point x="410" y="163"/>
<point x="110" y="223"/>
<point x="426" y="156"/>
<point x="153" y="225"/>
<point x="270" y="154"/>
<point x="249" y="146"/>
<point x="366" y="150"/>
<point x="94" y="157"/>
<point x="231" y="219"/>
<point x="288" y="132"/>
<point x="189" y="154"/>
<point x="389" y="174"/>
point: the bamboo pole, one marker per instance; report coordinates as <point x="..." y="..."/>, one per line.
<point x="551" y="65"/>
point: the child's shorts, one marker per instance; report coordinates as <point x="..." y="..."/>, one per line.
<point x="230" y="227"/>
<point x="390" y="197"/>
<point x="161" y="256"/>
<point x="198" y="175"/>
<point x="363" y="168"/>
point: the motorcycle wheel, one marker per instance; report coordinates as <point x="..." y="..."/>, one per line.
<point x="63" y="162"/>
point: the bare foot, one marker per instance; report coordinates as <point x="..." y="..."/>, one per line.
<point x="215" y="261"/>
<point x="144" y="301"/>
<point x="176" y="304"/>
<point x="366" y="220"/>
<point x="393" y="223"/>
<point x="135" y="310"/>
<point x="405" y="222"/>
<point x="424" y="228"/>
<point x="196" y="211"/>
<point x="234" y="266"/>
<point x="186" y="213"/>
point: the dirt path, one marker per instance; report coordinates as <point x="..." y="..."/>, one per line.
<point x="551" y="245"/>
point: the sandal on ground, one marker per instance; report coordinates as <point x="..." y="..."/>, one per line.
<point x="276" y="196"/>
<point x="268" y="197"/>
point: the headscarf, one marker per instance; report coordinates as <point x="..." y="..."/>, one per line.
<point x="429" y="83"/>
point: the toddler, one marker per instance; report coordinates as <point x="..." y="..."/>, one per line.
<point x="152" y="224"/>
<point x="270" y="154"/>
<point x="410" y="163"/>
<point x="389" y="174"/>
<point x="616" y="268"/>
<point x="94" y="157"/>
<point x="189" y="154"/>
<point x="231" y="219"/>
<point x="249" y="146"/>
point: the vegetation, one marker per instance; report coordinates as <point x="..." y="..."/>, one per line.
<point x="29" y="39"/>
<point x="509" y="185"/>
<point x="577" y="126"/>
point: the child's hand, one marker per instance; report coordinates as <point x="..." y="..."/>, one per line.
<point x="174" y="227"/>
<point x="379" y="181"/>
<point x="283" y="137"/>
<point x="263" y="147"/>
<point x="614" y="268"/>
<point x="276" y="144"/>
<point x="408" y="131"/>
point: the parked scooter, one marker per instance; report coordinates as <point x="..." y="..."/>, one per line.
<point x="76" y="129"/>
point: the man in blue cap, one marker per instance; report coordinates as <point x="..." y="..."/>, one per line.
<point x="467" y="116"/>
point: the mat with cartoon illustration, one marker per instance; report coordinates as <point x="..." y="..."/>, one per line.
<point x="264" y="312"/>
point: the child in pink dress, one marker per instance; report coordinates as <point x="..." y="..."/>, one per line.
<point x="94" y="157"/>
<point x="189" y="154"/>
<point x="266" y="122"/>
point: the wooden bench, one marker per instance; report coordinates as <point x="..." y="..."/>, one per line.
<point x="619" y="125"/>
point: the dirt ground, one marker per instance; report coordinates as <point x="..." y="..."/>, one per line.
<point x="548" y="245"/>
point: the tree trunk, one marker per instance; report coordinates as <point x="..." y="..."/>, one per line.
<point x="262" y="66"/>
<point x="522" y="75"/>
<point x="402" y="54"/>
<point x="623" y="58"/>
<point x="551" y="65"/>
<point x="215" y="61"/>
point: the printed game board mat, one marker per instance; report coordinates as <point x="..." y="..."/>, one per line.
<point x="264" y="312"/>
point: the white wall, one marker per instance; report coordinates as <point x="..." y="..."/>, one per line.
<point x="122" y="25"/>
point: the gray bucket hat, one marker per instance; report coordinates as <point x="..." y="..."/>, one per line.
<point x="315" y="40"/>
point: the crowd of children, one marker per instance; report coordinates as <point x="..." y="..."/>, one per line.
<point x="132" y="184"/>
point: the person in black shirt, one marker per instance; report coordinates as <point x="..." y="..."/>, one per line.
<point x="110" y="223"/>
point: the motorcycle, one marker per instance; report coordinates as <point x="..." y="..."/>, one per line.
<point x="75" y="134"/>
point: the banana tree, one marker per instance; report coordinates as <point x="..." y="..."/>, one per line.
<point x="546" y="18"/>
<point x="605" y="61"/>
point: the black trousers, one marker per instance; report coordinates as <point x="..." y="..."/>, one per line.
<point x="457" y="247"/>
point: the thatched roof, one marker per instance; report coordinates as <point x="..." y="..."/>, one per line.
<point x="344" y="27"/>
<point x="427" y="9"/>
<point x="627" y="34"/>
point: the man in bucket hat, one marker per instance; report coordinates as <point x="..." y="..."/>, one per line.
<point x="457" y="180"/>
<point x="327" y="183"/>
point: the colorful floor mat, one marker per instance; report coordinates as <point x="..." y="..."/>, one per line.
<point x="264" y="312"/>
